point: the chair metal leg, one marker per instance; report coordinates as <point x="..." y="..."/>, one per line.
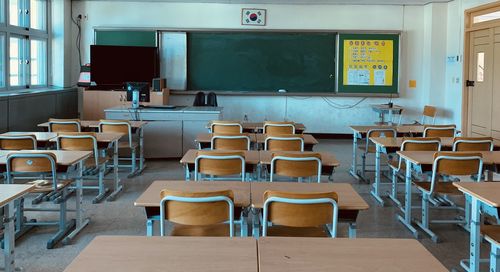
<point x="494" y="258"/>
<point x="102" y="188"/>
<point x="150" y="224"/>
<point x="424" y="223"/>
<point x="352" y="230"/>
<point x="394" y="188"/>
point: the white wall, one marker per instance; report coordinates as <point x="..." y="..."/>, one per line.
<point x="423" y="56"/>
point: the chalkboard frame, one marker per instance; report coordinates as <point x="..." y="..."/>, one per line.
<point x="364" y="89"/>
<point x="135" y="37"/>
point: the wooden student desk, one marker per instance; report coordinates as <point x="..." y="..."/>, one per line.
<point x="64" y="159"/>
<point x="150" y="199"/>
<point x="252" y="159"/>
<point x="105" y="140"/>
<point x="350" y="202"/>
<point x="485" y="197"/>
<point x="359" y="133"/>
<point x="136" y="125"/>
<point x="8" y="194"/>
<point x="167" y="254"/>
<point x="412" y="158"/>
<point x="278" y="254"/>
<point x="328" y="160"/>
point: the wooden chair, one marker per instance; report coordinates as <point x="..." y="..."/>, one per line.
<point x="87" y="142"/>
<point x="122" y="126"/>
<point x="230" y="142"/>
<point x="398" y="166"/>
<point x="440" y="131"/>
<point x="278" y="128"/>
<point x="64" y="125"/>
<point x="198" y="213"/>
<point x="369" y="147"/>
<point x="300" y="214"/>
<point x="216" y="163"/>
<point x="18" y="142"/>
<point x="50" y="189"/>
<point x="451" y="164"/>
<point x="491" y="234"/>
<point x="286" y="142"/>
<point x="473" y="144"/>
<point x="298" y="165"/>
<point x="429" y="112"/>
<point x="224" y="127"/>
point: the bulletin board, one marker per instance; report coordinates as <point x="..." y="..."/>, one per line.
<point x="368" y="63"/>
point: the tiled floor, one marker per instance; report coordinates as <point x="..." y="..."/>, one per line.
<point x="121" y="217"/>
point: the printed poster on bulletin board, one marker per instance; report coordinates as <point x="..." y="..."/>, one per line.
<point x="368" y="63"/>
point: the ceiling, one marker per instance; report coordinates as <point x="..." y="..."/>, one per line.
<point x="306" y="2"/>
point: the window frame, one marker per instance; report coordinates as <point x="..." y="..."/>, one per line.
<point x="28" y="34"/>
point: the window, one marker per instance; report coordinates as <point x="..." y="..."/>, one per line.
<point x="23" y="43"/>
<point x="480" y="67"/>
<point x="486" y="17"/>
<point x="2" y="60"/>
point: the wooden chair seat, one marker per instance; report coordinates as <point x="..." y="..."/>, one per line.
<point x="284" y="231"/>
<point x="441" y="187"/>
<point x="371" y="149"/>
<point x="124" y="144"/>
<point x="209" y="230"/>
<point x="492" y="231"/>
<point x="394" y="164"/>
<point x="45" y="186"/>
<point x="90" y="162"/>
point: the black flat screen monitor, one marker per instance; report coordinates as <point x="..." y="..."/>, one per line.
<point x="112" y="66"/>
<point x="141" y="87"/>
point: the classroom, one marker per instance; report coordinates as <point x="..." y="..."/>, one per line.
<point x="249" y="135"/>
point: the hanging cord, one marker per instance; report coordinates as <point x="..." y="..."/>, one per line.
<point x="78" y="23"/>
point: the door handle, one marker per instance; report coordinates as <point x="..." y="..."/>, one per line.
<point x="470" y="83"/>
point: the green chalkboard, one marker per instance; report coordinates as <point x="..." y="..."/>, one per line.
<point x="125" y="37"/>
<point x="374" y="63"/>
<point x="261" y="61"/>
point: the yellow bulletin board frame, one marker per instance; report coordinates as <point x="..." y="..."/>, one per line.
<point x="367" y="64"/>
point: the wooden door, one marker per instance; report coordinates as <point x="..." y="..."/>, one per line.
<point x="481" y="72"/>
<point x="495" y="113"/>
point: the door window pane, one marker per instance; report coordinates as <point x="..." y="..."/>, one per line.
<point x="2" y="11"/>
<point x="486" y="17"/>
<point x="15" y="12"/>
<point x="16" y="61"/>
<point x="38" y="62"/>
<point x="480" y="67"/>
<point x="38" y="14"/>
<point x="2" y="60"/>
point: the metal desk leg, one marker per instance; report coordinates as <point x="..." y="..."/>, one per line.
<point x="150" y="224"/>
<point x="142" y="165"/>
<point x="475" y="236"/>
<point x="406" y="220"/>
<point x="352" y="230"/>
<point x="187" y="175"/>
<point x="494" y="258"/>
<point x="255" y="223"/>
<point x="80" y="221"/>
<point x="354" y="165"/>
<point x="376" y="185"/>
<point x="390" y="117"/>
<point x="118" y="185"/>
<point x="8" y="237"/>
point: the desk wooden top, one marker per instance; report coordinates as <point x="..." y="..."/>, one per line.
<point x="327" y="159"/>
<point x="399" y="129"/>
<point x="95" y="124"/>
<point x="427" y="157"/>
<point x="321" y="254"/>
<point x="308" y="138"/>
<point x="487" y="192"/>
<point x="207" y="137"/>
<point x="65" y="158"/>
<point x="151" y="197"/>
<point x="9" y="192"/>
<point x="349" y="199"/>
<point x="396" y="142"/>
<point x="386" y="107"/>
<point x="251" y="156"/>
<point x="104" y="137"/>
<point x="167" y="254"/>
<point x="260" y="125"/>
<point x="40" y="136"/>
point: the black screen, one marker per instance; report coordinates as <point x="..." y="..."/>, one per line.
<point x="112" y="66"/>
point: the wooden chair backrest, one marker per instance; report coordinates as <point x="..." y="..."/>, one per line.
<point x="116" y="126"/>
<point x="31" y="163"/>
<point x="381" y="132"/>
<point x="223" y="127"/>
<point x="64" y="125"/>
<point x="284" y="142"/>
<point x="420" y="144"/>
<point x="85" y="143"/>
<point x="455" y="167"/>
<point x="230" y="142"/>
<point x="18" y="142"/>
<point x="219" y="167"/>
<point x="473" y="144"/>
<point x="300" y="215"/>
<point x="197" y="213"/>
<point x="296" y="169"/>
<point x="429" y="111"/>
<point x="276" y="128"/>
<point x="439" y="130"/>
